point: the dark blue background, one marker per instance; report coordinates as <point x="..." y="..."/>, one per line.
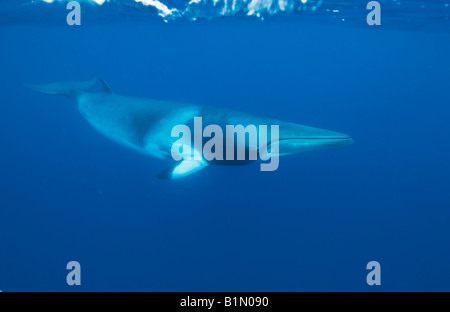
<point x="67" y="193"/>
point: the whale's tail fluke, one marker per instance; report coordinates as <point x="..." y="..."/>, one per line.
<point x="70" y="89"/>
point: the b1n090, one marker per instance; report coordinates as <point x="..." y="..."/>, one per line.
<point x="246" y="301"/>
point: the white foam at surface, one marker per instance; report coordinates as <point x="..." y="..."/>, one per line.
<point x="215" y="8"/>
<point x="99" y="2"/>
<point x="163" y="10"/>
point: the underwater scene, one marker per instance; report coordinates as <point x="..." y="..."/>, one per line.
<point x="224" y="145"/>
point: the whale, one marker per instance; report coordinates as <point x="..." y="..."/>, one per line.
<point x="146" y="125"/>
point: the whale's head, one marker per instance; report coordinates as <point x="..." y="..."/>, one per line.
<point x="298" y="138"/>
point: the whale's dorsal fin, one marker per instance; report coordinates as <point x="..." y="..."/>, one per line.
<point x="182" y="169"/>
<point x="105" y="86"/>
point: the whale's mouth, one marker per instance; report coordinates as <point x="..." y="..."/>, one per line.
<point x="318" y="138"/>
<point x="347" y="140"/>
<point x="310" y="143"/>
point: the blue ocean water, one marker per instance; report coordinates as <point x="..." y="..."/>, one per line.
<point x="67" y="193"/>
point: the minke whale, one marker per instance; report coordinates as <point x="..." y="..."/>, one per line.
<point x="146" y="125"/>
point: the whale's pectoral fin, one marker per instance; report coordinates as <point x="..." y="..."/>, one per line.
<point x="182" y="169"/>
